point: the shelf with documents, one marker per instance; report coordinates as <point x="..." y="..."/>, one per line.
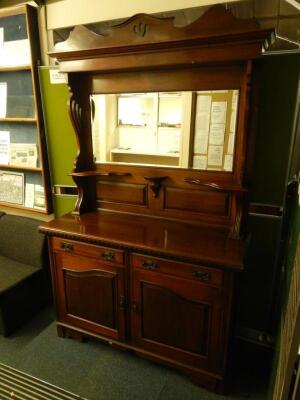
<point x="24" y="172"/>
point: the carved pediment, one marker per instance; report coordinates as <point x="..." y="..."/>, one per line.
<point x="145" y="31"/>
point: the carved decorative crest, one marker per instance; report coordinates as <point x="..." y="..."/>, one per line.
<point x="217" y="25"/>
<point x="140" y="29"/>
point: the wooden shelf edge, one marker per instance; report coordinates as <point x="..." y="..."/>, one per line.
<point x="8" y="68"/>
<point x="22" y="168"/>
<point x="22" y="207"/>
<point x="26" y="120"/>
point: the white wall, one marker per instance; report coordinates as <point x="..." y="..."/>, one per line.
<point x="64" y="13"/>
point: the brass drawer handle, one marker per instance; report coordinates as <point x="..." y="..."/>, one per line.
<point x="202" y="276"/>
<point x="149" y="264"/>
<point x="108" y="256"/>
<point x="67" y="247"/>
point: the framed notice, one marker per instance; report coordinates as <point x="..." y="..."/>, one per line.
<point x="12" y="187"/>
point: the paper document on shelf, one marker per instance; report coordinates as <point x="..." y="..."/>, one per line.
<point x="216" y="134"/>
<point x="23" y="154"/>
<point x="228" y="162"/>
<point x="29" y="195"/>
<point x="202" y="124"/>
<point x="11" y="187"/>
<point x="39" y="196"/>
<point x="3" y="99"/>
<point x="215" y="155"/>
<point x="16" y="52"/>
<point x="4" y="147"/>
<point x="218" y="112"/>
<point x="199" y="162"/>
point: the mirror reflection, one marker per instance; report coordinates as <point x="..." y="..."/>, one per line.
<point x="175" y="129"/>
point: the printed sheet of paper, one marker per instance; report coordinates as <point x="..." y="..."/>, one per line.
<point x="215" y="155"/>
<point x="39" y="196"/>
<point x="218" y="112"/>
<point x="216" y="134"/>
<point x="16" y="52"/>
<point x="3" y="99"/>
<point x="202" y="123"/>
<point x="4" y="147"/>
<point x="23" y="154"/>
<point x="228" y="162"/>
<point x="29" y="195"/>
<point x="57" y="77"/>
<point x="11" y="187"/>
<point x="199" y="162"/>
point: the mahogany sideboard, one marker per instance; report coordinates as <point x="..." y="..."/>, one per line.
<point x="147" y="259"/>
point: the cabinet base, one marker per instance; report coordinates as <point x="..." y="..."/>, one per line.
<point x="205" y="379"/>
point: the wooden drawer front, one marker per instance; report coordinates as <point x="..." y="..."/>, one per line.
<point x="101" y="253"/>
<point x="199" y="201"/>
<point x="207" y="275"/>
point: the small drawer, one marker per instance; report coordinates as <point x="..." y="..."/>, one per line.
<point x="101" y="253"/>
<point x="202" y="274"/>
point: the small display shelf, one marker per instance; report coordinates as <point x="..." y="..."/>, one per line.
<point x="24" y="172"/>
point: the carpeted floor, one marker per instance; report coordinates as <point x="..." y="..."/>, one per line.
<point x="99" y="372"/>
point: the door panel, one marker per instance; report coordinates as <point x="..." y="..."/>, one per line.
<point x="91" y="294"/>
<point x="178" y="318"/>
<point x="187" y="331"/>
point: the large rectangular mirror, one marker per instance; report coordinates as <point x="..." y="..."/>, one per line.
<point x="173" y="129"/>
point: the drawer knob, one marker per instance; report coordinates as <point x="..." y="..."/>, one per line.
<point x="108" y="256"/>
<point x="202" y="276"/>
<point x="149" y="264"/>
<point x="68" y="247"/>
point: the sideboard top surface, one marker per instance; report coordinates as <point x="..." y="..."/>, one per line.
<point x="158" y="237"/>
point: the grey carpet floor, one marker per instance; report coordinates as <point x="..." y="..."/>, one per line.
<point x="98" y="372"/>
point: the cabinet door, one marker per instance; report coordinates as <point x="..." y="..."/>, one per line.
<point x="90" y="294"/>
<point x="178" y="318"/>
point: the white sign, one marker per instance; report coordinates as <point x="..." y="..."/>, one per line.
<point x="216" y="134"/>
<point x="215" y="155"/>
<point x="218" y="112"/>
<point x="199" y="162"/>
<point x="57" y="77"/>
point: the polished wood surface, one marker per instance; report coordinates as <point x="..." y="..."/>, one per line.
<point x="147" y="259"/>
<point x="89" y="293"/>
<point x="163" y="237"/>
<point x="216" y="36"/>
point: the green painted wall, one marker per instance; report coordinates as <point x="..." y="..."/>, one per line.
<point x="61" y="139"/>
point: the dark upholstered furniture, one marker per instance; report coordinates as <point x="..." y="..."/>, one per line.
<point x="24" y="272"/>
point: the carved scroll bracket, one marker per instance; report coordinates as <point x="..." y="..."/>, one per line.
<point x="155" y="183"/>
